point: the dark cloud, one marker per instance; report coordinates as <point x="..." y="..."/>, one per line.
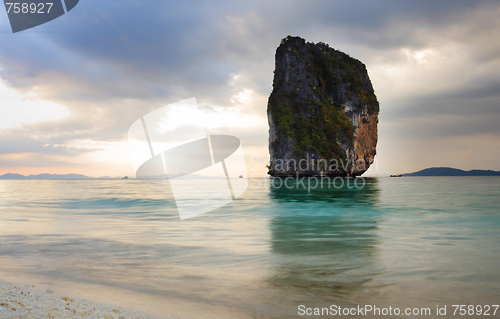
<point x="432" y="128"/>
<point x="475" y="99"/>
<point x="130" y="50"/>
<point x="159" y="49"/>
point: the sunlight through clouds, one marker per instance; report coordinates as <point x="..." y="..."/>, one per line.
<point x="420" y="57"/>
<point x="209" y="116"/>
<point x="17" y="108"/>
<point x="243" y="98"/>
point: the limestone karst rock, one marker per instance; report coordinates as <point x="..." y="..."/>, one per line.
<point x="322" y="112"/>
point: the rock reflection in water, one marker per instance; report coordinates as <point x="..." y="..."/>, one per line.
<point x="325" y="239"/>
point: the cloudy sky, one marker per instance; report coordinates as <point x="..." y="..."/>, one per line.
<point x="71" y="88"/>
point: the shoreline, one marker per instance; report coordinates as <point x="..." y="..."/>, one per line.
<point x="28" y="301"/>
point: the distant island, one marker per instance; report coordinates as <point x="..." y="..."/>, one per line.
<point x="448" y="171"/>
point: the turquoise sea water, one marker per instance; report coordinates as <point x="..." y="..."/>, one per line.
<point x="413" y="242"/>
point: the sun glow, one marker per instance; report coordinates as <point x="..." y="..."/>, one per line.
<point x="208" y="116"/>
<point x="17" y="108"/>
<point x="419" y="57"/>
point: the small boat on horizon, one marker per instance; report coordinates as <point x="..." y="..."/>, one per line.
<point x="397" y="175"/>
<point x="241" y="176"/>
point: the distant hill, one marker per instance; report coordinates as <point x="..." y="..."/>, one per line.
<point x="52" y="176"/>
<point x="57" y="176"/>
<point x="13" y="176"/>
<point x="448" y="171"/>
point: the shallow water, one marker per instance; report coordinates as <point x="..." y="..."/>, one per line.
<point x="399" y="242"/>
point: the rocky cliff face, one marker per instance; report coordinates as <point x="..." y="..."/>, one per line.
<point x="322" y="112"/>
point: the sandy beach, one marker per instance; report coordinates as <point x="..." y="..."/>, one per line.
<point x="27" y="301"/>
